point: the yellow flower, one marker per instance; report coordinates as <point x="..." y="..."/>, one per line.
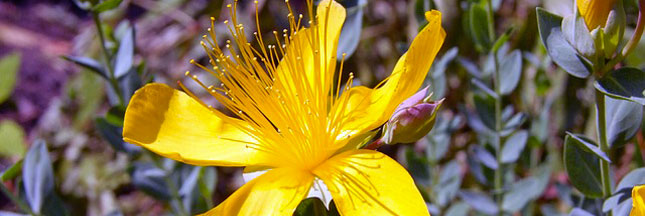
<point x="638" y="197"/>
<point x="291" y="118"/>
<point x="595" y="12"/>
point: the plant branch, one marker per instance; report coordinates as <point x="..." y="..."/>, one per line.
<point x="602" y="138"/>
<point x="111" y="77"/>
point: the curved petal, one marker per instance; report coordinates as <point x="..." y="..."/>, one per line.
<point x="369" y="108"/>
<point x="367" y="182"/>
<point x="174" y="125"/>
<point x="312" y="52"/>
<point x="638" y="197"/>
<point x="277" y="192"/>
<point x="595" y="12"/>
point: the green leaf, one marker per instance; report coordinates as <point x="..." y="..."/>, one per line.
<point x="458" y="209"/>
<point x="106" y="5"/>
<point x="417" y="166"/>
<point x="333" y="211"/>
<point x="478" y="23"/>
<point x="583" y="168"/>
<point x="575" y="31"/>
<point x="123" y="61"/>
<point x="12" y="143"/>
<point x="479" y="201"/>
<point x="37" y="175"/>
<point x="623" y="119"/>
<point x="624" y="189"/>
<point x="150" y="179"/>
<point x="502" y="39"/>
<point x="485" y="107"/>
<point x="113" y="135"/>
<point x="625" y="84"/>
<point x="11" y="172"/>
<point x="558" y="47"/>
<point x="633" y="178"/>
<point x="579" y="212"/>
<point x="510" y="72"/>
<point x="311" y="207"/>
<point x="485" y="157"/>
<point x="186" y="179"/>
<point x="351" y="32"/>
<point x="514" y="146"/>
<point x="526" y="190"/>
<point x="449" y="183"/>
<point x="115" y="115"/>
<point x="88" y="63"/>
<point x="9" y="66"/>
<point x="207" y="182"/>
<point x="588" y="145"/>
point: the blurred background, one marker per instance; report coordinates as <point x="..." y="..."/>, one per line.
<point x="55" y="92"/>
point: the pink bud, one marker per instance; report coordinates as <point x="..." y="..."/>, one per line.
<point x="412" y="119"/>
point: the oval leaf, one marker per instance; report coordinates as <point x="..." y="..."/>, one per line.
<point x="510" y="72"/>
<point x="514" y="146"/>
<point x="582" y="167"/>
<point x="150" y="179"/>
<point x="9" y="66"/>
<point x="623" y="119"/>
<point x="88" y="63"/>
<point x="624" y="83"/>
<point x="478" y="20"/>
<point x="37" y="175"/>
<point x="588" y="145"/>
<point x="311" y="206"/>
<point x="106" y="5"/>
<point x="479" y="201"/>
<point x="558" y="47"/>
<point x="12" y="143"/>
<point x="123" y="61"/>
<point x="351" y="32"/>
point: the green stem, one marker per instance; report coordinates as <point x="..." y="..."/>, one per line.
<point x="498" y="138"/>
<point x="112" y="79"/>
<point x="491" y="23"/>
<point x="498" y="113"/>
<point x="602" y="138"/>
<point x="638" y="31"/>
<point x="15" y="199"/>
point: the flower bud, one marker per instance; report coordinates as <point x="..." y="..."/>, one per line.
<point x="412" y="119"/>
<point x="614" y="30"/>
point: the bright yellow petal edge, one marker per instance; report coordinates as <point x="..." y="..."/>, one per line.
<point x="595" y="12"/>
<point x="638" y="197"/>
<point x="370" y="108"/>
<point x="286" y="120"/>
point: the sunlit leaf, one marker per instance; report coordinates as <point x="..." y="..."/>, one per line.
<point x="9" y="66"/>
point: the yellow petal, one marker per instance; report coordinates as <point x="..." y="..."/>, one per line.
<point x="277" y="192"/>
<point x="312" y="52"/>
<point x="174" y="125"/>
<point x="366" y="182"/>
<point x="595" y="12"/>
<point x="638" y="197"/>
<point x="370" y="108"/>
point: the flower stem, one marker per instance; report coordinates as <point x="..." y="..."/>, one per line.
<point x="21" y="205"/>
<point x="602" y="138"/>
<point x="638" y="32"/>
<point x="112" y="79"/>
